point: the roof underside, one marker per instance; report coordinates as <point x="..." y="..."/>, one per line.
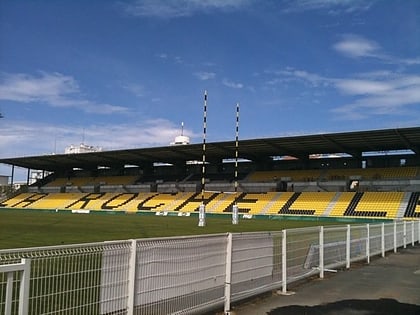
<point x="352" y="143"/>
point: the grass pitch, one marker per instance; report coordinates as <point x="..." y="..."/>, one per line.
<point x="23" y="228"/>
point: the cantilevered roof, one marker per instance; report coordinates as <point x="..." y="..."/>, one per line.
<point x="352" y="143"/>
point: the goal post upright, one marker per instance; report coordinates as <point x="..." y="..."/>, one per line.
<point x="235" y="210"/>
<point x="202" y="207"/>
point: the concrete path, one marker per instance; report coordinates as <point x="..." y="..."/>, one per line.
<point x="389" y="285"/>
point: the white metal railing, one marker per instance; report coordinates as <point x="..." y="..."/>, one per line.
<point x="187" y="275"/>
<point x="16" y="280"/>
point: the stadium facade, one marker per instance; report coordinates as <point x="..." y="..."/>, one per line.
<point x="365" y="174"/>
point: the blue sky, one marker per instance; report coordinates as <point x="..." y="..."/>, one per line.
<point x="125" y="73"/>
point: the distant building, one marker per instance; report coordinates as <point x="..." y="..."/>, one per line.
<point x="4" y="180"/>
<point x="82" y="148"/>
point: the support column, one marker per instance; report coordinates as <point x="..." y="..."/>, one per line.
<point x="28" y="176"/>
<point x="12" y="177"/>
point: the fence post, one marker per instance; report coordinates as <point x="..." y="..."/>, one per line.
<point x="405" y="234"/>
<point x="412" y="233"/>
<point x="228" y="278"/>
<point x="24" y="269"/>
<point x="395" y="236"/>
<point x="368" y="243"/>
<point x="284" y="262"/>
<point x="132" y="278"/>
<point x="418" y="230"/>
<point x="24" y="287"/>
<point x="348" y="247"/>
<point x="9" y="294"/>
<point x="383" y="239"/>
<point x="321" y="252"/>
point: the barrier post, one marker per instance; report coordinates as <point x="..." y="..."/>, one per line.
<point x="368" y="243"/>
<point x="24" y="269"/>
<point x="284" y="262"/>
<point x="228" y="278"/>
<point x="405" y="234"/>
<point x="383" y="239"/>
<point x="132" y="278"/>
<point x="348" y="243"/>
<point x="321" y="252"/>
<point x="395" y="236"/>
<point x="24" y="287"/>
<point x="418" y="230"/>
<point x="412" y="233"/>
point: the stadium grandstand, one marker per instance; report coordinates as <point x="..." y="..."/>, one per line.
<point x="366" y="174"/>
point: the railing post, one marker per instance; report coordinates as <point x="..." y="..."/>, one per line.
<point x="348" y="243"/>
<point x="228" y="277"/>
<point x="412" y="233"/>
<point x="405" y="234"/>
<point x="24" y="287"/>
<point x="368" y="243"/>
<point x="132" y="278"/>
<point x="24" y="269"/>
<point x="9" y="294"/>
<point x="395" y="236"/>
<point x="321" y="252"/>
<point x="284" y="262"/>
<point x="418" y="230"/>
<point x="383" y="239"/>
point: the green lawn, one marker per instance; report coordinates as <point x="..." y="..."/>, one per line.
<point x="22" y="228"/>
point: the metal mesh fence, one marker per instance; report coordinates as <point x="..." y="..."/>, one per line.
<point x="183" y="275"/>
<point x="67" y="279"/>
<point x="299" y="243"/>
<point x="180" y="274"/>
<point x="256" y="263"/>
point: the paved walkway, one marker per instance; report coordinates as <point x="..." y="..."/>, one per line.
<point x="389" y="285"/>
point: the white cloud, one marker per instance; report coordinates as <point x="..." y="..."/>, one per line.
<point x="362" y="87"/>
<point x="25" y="88"/>
<point x="162" y="55"/>
<point x="53" y="89"/>
<point x="137" y="89"/>
<point x="231" y="84"/>
<point x="411" y="61"/>
<point x="23" y="138"/>
<point x="314" y="80"/>
<point x="372" y="93"/>
<point x="357" y="46"/>
<point x="180" y="8"/>
<point x="387" y="97"/>
<point x="330" y="6"/>
<point x="204" y="76"/>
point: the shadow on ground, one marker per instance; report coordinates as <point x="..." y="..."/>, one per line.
<point x="351" y="307"/>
